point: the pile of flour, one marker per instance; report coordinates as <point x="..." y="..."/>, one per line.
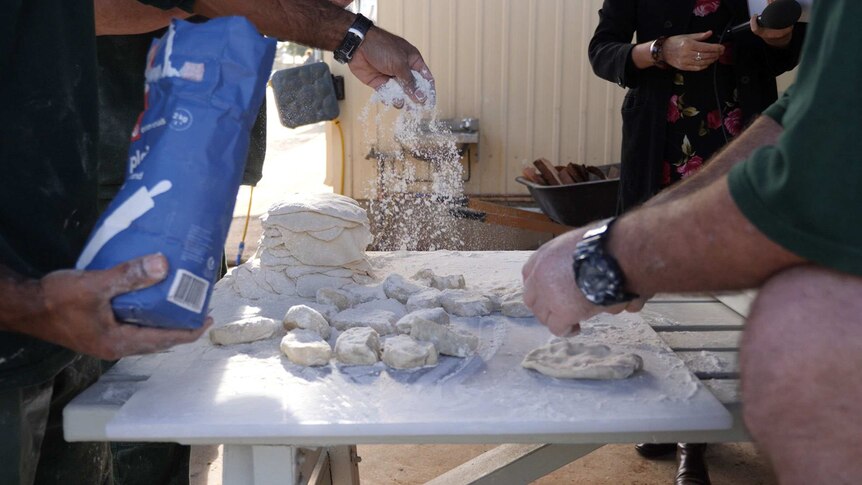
<point x="419" y="183"/>
<point x="309" y="241"/>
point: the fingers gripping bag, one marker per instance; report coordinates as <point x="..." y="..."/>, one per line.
<point x="205" y="84"/>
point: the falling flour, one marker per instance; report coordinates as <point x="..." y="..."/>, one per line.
<point x="419" y="184"/>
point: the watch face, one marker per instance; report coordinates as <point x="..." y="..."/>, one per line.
<point x="345" y="51"/>
<point x="596" y="279"/>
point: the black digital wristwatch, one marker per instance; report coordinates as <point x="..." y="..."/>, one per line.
<point x="353" y="39"/>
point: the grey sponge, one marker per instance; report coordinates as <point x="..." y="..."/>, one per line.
<point x="305" y="95"/>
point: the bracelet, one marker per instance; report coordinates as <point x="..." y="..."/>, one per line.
<point x="655" y="50"/>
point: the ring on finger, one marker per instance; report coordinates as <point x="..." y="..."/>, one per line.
<point x="698" y="57"/>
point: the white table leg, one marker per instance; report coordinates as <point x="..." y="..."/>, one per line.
<point x="513" y="464"/>
<point x="259" y="465"/>
<point x="343" y="462"/>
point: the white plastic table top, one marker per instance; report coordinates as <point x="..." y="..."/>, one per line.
<point x="250" y="394"/>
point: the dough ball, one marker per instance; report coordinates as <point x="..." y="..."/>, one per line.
<point x="513" y="305"/>
<point x="388" y="304"/>
<point x="306" y="347"/>
<point x="428" y="278"/>
<point x="395" y="286"/>
<point x="328" y="311"/>
<point x="244" y="331"/>
<point x="574" y="360"/>
<point x="437" y="315"/>
<point x="446" y="340"/>
<point x="332" y="296"/>
<point x="362" y="294"/>
<point x="302" y="316"/>
<point x="429" y="298"/>
<point x="358" y="346"/>
<point x="382" y="321"/>
<point x="402" y="352"/>
<point x="465" y="303"/>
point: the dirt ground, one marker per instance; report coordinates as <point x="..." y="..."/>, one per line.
<point x="729" y="463"/>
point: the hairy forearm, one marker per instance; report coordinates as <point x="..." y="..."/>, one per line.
<point x="697" y="243"/>
<point x="314" y="23"/>
<point x="125" y="17"/>
<point x="764" y="131"/>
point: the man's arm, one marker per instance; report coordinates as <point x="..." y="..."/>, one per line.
<point x="126" y="17"/>
<point x="73" y="309"/>
<point x="315" y="23"/>
<point x="691" y="237"/>
<point x="695" y="243"/>
<point x="705" y="243"/>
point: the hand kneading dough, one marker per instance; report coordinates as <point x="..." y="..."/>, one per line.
<point x="436" y="315"/>
<point x="402" y="352"/>
<point x="358" y="346"/>
<point x="306" y="347"/>
<point x="446" y="340"/>
<point x="301" y="316"/>
<point x="244" y="331"/>
<point x="574" y="360"/>
<point x="465" y="303"/>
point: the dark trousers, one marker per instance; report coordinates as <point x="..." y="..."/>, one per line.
<point x="32" y="448"/>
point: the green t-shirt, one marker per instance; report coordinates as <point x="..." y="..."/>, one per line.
<point x="805" y="192"/>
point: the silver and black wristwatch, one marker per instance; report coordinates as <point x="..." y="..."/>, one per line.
<point x="353" y="39"/>
<point x="597" y="273"/>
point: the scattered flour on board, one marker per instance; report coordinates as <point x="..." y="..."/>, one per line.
<point x="419" y="183"/>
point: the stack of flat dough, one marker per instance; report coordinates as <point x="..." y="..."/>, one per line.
<point x="309" y="241"/>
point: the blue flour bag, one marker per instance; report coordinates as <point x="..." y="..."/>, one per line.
<point x="205" y="85"/>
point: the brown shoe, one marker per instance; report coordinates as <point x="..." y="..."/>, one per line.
<point x="691" y="464"/>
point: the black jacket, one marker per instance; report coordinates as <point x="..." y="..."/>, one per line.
<point x="644" y="109"/>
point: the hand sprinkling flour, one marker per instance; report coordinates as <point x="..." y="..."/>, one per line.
<point x="414" y="211"/>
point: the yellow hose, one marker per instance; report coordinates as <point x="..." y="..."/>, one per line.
<point x="245" y="228"/>
<point x="343" y="160"/>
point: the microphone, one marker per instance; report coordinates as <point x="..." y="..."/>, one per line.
<point x="777" y="15"/>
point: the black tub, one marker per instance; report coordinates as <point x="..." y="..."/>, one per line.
<point x="576" y="204"/>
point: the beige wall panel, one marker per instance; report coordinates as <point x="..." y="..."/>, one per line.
<point x="520" y="66"/>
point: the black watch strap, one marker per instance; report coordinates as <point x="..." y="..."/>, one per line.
<point x="603" y="281"/>
<point x="353" y="39"/>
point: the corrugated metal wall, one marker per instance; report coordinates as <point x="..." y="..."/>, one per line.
<point x="520" y="66"/>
